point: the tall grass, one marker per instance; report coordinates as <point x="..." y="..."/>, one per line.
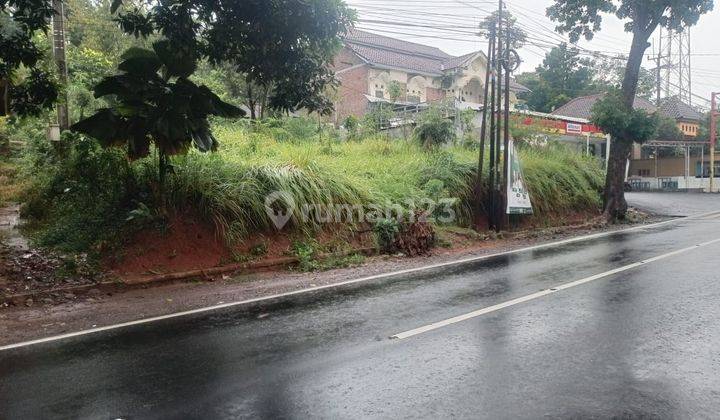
<point x="562" y="181"/>
<point x="232" y="194"/>
<point x="86" y="198"/>
<point x="230" y="187"/>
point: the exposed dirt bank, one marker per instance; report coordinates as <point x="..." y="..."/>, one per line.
<point x="25" y="322"/>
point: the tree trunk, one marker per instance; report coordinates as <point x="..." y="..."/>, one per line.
<point x="4" y="102"/>
<point x="251" y="101"/>
<point x="162" y="176"/>
<point x="615" y="205"/>
<point x="265" y="98"/>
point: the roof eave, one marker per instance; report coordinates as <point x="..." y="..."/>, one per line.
<point x="408" y="70"/>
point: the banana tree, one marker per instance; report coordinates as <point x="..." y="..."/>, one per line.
<point x="156" y="104"/>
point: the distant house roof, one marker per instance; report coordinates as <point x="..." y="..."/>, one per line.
<point x="582" y="107"/>
<point x="517" y="87"/>
<point x="383" y="51"/>
<point x="390" y="52"/>
<point x="676" y="109"/>
<point x="455" y="62"/>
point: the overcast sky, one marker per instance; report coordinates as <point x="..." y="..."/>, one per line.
<point x="450" y="24"/>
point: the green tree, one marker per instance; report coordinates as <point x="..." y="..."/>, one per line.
<point x="91" y="26"/>
<point x="26" y="85"/>
<point x="395" y="90"/>
<point x="583" y="18"/>
<point x="668" y="130"/>
<point x="562" y="76"/>
<point x="433" y="129"/>
<point x="155" y="103"/>
<point x="609" y="74"/>
<point x="282" y="46"/>
<point x="613" y="118"/>
<point x="518" y="36"/>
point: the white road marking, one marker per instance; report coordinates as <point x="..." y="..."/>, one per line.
<point x="345" y="283"/>
<point x="523" y="299"/>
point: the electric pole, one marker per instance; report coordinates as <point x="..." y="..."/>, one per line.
<point x="506" y="126"/>
<point x="713" y="137"/>
<point x="497" y="197"/>
<point x="483" y="127"/>
<point x="58" y="38"/>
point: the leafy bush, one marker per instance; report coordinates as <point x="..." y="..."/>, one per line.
<point x="82" y="202"/>
<point x="386" y="231"/>
<point x="434" y="129"/>
<point x="301" y="128"/>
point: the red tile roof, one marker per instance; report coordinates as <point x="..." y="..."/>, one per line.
<point x="582" y="107"/>
<point x="679" y="110"/>
<point x="389" y="52"/>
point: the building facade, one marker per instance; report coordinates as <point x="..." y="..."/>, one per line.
<point x="369" y="65"/>
<point x="663" y="164"/>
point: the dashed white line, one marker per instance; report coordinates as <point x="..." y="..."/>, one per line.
<point x="342" y="284"/>
<point x="542" y="293"/>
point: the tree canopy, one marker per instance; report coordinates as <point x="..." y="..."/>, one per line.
<point x="518" y="36"/>
<point x="284" y="46"/>
<point x="26" y="86"/>
<point x="563" y="75"/>
<point x="610" y="115"/>
<point x="583" y="18"/>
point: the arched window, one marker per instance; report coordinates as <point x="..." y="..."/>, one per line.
<point x="417" y="86"/>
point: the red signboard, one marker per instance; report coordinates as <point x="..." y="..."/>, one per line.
<point x="559" y="126"/>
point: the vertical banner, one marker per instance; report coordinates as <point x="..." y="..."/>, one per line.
<point x="518" y="197"/>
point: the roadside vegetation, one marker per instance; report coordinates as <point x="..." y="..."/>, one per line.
<point x="93" y="198"/>
<point x="149" y="150"/>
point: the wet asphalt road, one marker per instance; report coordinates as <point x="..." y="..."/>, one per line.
<point x="642" y="343"/>
<point x="674" y="203"/>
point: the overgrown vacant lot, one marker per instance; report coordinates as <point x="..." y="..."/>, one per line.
<point x="93" y="199"/>
<point x="317" y="168"/>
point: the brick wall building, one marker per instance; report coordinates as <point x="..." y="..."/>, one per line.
<point x="369" y="64"/>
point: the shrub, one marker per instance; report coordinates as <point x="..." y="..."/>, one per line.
<point x="82" y="202"/>
<point x="301" y="128"/>
<point x="434" y="129"/>
<point x="85" y="200"/>
<point x="386" y="231"/>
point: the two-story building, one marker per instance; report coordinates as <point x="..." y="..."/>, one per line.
<point x="687" y="118"/>
<point x="660" y="163"/>
<point x="369" y="64"/>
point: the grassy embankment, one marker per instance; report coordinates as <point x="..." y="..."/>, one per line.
<point x="94" y="197"/>
<point x="231" y="185"/>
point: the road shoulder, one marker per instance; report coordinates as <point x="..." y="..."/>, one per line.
<point x="23" y="323"/>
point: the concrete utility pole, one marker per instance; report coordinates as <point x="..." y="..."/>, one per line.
<point x="58" y="37"/>
<point x="483" y="126"/>
<point x="498" y="202"/>
<point x="713" y="137"/>
<point x="506" y="126"/>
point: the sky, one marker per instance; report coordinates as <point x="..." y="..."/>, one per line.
<point x="451" y="26"/>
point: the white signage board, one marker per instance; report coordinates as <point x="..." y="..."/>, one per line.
<point x="518" y="197"/>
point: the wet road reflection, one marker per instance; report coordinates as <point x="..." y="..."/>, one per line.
<point x="596" y="350"/>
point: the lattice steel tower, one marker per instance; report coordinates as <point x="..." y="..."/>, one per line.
<point x="674" y="65"/>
